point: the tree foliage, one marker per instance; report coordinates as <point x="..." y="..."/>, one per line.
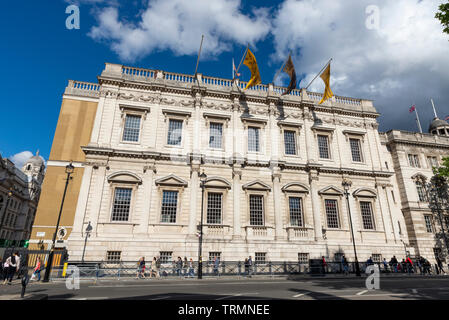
<point x="443" y="170"/>
<point x="443" y="16"/>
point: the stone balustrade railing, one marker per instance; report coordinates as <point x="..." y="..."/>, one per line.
<point x="80" y="88"/>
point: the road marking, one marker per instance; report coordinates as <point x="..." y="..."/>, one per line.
<point x="229" y="296"/>
<point x="362" y="292"/>
<point x="186" y="284"/>
<point x="299" y="295"/>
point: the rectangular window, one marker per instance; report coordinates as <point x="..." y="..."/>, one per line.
<point x="253" y="139"/>
<point x="413" y="160"/>
<point x="165" y="256"/>
<point x="376" y="257"/>
<point x="355" y="150"/>
<point x="260" y="257"/>
<point x="256" y="210"/>
<point x="428" y="221"/>
<point x="421" y="192"/>
<point x="113" y="256"/>
<point x="367" y="215"/>
<point x="174" y="132"/>
<point x="338" y="256"/>
<point x="432" y="161"/>
<point x="169" y="206"/>
<point x="295" y="211"/>
<point x="214" y="208"/>
<point x="290" y="142"/>
<point x="213" y="255"/>
<point x="332" y="213"/>
<point x="122" y="204"/>
<point x="323" y="147"/>
<point x="132" y="128"/>
<point x="303" y="257"/>
<point x="216" y="135"/>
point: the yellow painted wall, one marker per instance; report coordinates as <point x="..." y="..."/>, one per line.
<point x="73" y="130"/>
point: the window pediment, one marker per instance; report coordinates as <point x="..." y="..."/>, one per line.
<point x="171" y="180"/>
<point x="365" y="192"/>
<point x="217" y="182"/>
<point x="124" y="177"/>
<point x="331" y="191"/>
<point x="295" y="187"/>
<point x="419" y="177"/>
<point x="256" y="185"/>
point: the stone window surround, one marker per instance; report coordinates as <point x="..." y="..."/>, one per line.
<point x="160" y="192"/>
<point x="217" y="118"/>
<point x="356" y="135"/>
<point x="175" y="115"/>
<point x="366" y="195"/>
<point x="324" y="131"/>
<point x="112" y="187"/>
<point x="301" y="192"/>
<point x="336" y="195"/>
<point x="295" y="127"/>
<point x="224" y="205"/>
<point x="257" y="123"/>
<point x="135" y="111"/>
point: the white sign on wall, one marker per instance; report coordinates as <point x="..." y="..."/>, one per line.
<point x="40" y="234"/>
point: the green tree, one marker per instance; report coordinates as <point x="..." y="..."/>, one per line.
<point x="443" y="16"/>
<point x="443" y="170"/>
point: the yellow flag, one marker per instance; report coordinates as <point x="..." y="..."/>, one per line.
<point x="250" y="62"/>
<point x="326" y="76"/>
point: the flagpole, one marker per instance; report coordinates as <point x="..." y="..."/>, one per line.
<point x="319" y="73"/>
<point x="244" y="54"/>
<point x="417" y="119"/>
<point x="199" y="54"/>
<point x="433" y="106"/>
<point x="279" y="71"/>
<point x="233" y="68"/>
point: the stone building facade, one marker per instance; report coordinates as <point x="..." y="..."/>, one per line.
<point x="19" y="196"/>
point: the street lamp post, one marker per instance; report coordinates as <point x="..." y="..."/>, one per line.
<point x="6" y="208"/>
<point x="69" y="170"/>
<point x="88" y="230"/>
<point x="346" y="185"/>
<point x="203" y="177"/>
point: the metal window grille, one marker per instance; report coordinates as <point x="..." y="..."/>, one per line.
<point x="260" y="257"/>
<point x="132" y="128"/>
<point x="376" y="257"/>
<point x="253" y="139"/>
<point x="428" y="221"/>
<point x="212" y="256"/>
<point x="295" y="211"/>
<point x="303" y="257"/>
<point x="214" y="208"/>
<point x="174" y="132"/>
<point x="332" y="213"/>
<point x="166" y="256"/>
<point x="367" y="215"/>
<point x="413" y="160"/>
<point x="169" y="206"/>
<point x="290" y="143"/>
<point x="421" y="192"/>
<point x="355" y="150"/>
<point x="216" y="135"/>
<point x="122" y="203"/>
<point x="416" y="158"/>
<point x="113" y="256"/>
<point x="256" y="210"/>
<point x="323" y="147"/>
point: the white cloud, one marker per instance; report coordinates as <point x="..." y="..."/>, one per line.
<point x="20" y="158"/>
<point x="177" y="24"/>
<point x="404" y="62"/>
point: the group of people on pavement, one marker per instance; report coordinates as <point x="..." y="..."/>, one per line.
<point x="181" y="268"/>
<point x="10" y="267"/>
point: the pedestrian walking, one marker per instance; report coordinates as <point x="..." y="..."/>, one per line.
<point x="394" y="263"/>
<point x="1" y="269"/>
<point x="440" y="265"/>
<point x="37" y="269"/>
<point x="179" y="266"/>
<point x="12" y="264"/>
<point x="185" y="266"/>
<point x="154" y="272"/>
<point x="141" y="268"/>
<point x="250" y="266"/>
<point x="158" y="265"/>
<point x="191" y="270"/>
<point x="385" y="263"/>
<point x="216" y="265"/>
<point x="409" y="264"/>
<point x="419" y="264"/>
<point x="246" y="267"/>
<point x="344" y="264"/>
<point x="323" y="265"/>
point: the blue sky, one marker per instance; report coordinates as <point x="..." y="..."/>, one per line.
<point x="391" y="65"/>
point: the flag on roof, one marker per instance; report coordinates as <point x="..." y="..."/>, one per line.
<point x="251" y="63"/>
<point x="290" y="70"/>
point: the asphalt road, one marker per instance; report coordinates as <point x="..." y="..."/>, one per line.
<point x="240" y="289"/>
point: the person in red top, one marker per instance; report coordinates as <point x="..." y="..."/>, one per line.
<point x="409" y="264"/>
<point x="37" y="269"/>
<point x="323" y="264"/>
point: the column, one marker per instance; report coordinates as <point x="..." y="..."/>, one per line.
<point x="147" y="192"/>
<point x="317" y="224"/>
<point x="194" y="186"/>
<point x="80" y="213"/>
<point x="237" y="190"/>
<point x="97" y="193"/>
<point x="277" y="203"/>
